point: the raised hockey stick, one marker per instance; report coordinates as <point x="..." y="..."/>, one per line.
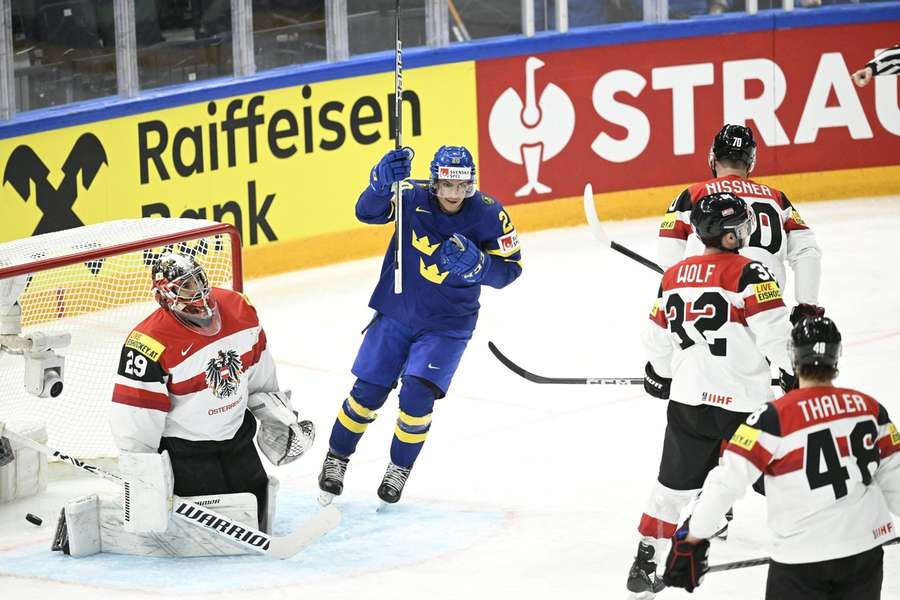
<point x="575" y="380"/>
<point x="590" y="212"/>
<point x="570" y="380"/>
<point x="756" y="562"/>
<point x="398" y="143"/>
<point x="246" y="537"/>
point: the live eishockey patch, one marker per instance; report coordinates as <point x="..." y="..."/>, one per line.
<point x="766" y="291"/>
<point x="895" y="435"/>
<point x="745" y="437"/>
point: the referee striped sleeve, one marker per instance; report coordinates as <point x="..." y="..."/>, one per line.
<point x="887" y="63"/>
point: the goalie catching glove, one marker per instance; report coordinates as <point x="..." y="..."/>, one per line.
<point x="281" y="438"/>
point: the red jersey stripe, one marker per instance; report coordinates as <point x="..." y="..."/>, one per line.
<point x="139" y="398"/>
<point x="657" y="528"/>
<point x="198" y="382"/>
<point x="790" y="462"/>
<point x="757" y="455"/>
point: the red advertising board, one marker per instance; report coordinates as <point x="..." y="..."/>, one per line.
<point x="642" y="115"/>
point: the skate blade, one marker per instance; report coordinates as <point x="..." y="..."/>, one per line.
<point x="385" y="507"/>
<point x="325" y="498"/>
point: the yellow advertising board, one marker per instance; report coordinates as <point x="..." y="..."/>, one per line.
<point x="285" y="166"/>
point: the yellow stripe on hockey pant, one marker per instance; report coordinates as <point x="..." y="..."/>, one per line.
<point x="411" y="420"/>
<point x="409" y="438"/>
<point x="350" y="424"/>
<point x="359" y="409"/>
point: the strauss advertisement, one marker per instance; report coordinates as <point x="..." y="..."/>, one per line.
<point x="643" y="115"/>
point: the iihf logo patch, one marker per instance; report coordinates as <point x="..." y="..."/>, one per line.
<point x="223" y="373"/>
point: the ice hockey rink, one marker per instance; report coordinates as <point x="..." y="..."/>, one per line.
<point x="522" y="491"/>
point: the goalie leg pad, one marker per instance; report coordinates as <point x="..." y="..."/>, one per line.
<point x="147" y="497"/>
<point x="78" y="530"/>
<point x="25" y="470"/>
<point x="180" y="538"/>
<point x="268" y="517"/>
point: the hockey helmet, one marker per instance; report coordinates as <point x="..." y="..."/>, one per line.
<point x="717" y="214"/>
<point x="180" y="286"/>
<point x="733" y="142"/>
<point x="453" y="162"/>
<point x="815" y="341"/>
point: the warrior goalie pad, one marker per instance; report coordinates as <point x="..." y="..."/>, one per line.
<point x="281" y="438"/>
<point x="23" y="472"/>
<point x="10" y="312"/>
<point x="147" y="497"/>
<point x="92" y="524"/>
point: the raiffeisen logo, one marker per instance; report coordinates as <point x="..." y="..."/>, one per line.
<point x="532" y="131"/>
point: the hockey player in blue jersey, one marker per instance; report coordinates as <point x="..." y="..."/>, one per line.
<point x="455" y="240"/>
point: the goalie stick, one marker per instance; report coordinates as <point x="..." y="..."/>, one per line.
<point x="590" y="212"/>
<point x="248" y="538"/>
<point x="576" y="380"/>
<point x="567" y="380"/>
<point x="756" y="562"/>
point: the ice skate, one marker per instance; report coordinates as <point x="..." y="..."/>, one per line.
<point x="642" y="577"/>
<point x="392" y="484"/>
<point x="331" y="479"/>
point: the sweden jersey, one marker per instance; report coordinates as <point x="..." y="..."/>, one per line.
<point x="432" y="298"/>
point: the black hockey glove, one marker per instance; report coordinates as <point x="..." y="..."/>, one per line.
<point x="787" y="381"/>
<point x="687" y="563"/>
<point x="805" y="310"/>
<point x="656" y="385"/>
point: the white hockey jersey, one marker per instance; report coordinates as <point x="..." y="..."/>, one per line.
<point x="175" y="382"/>
<point x="716" y="319"/>
<point x="781" y="235"/>
<point x="831" y="459"/>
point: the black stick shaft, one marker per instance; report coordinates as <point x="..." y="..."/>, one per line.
<point x="635" y="256"/>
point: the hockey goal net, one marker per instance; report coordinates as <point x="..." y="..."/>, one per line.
<point x="93" y="283"/>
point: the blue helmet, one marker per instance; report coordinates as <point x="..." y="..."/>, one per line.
<point x="453" y="162"/>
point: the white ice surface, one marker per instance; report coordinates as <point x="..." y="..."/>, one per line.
<point x="522" y="491"/>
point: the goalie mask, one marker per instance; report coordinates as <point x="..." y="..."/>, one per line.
<point x="181" y="287"/>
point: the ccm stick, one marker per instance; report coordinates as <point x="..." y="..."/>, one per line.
<point x="248" y="538"/>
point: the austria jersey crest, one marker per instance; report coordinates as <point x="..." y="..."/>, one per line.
<point x="223" y="373"/>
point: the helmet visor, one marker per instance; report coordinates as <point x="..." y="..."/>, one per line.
<point x="745" y="228"/>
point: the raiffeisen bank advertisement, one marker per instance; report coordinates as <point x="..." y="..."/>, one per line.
<point x="631" y="109"/>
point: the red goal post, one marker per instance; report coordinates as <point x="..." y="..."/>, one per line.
<point x="93" y="283"/>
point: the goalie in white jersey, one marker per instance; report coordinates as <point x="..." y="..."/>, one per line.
<point x="717" y="318"/>
<point x="193" y="378"/>
<point x="780" y="234"/>
<point x="831" y="460"/>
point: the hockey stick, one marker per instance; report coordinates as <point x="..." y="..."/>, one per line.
<point x="248" y="538"/>
<point x="756" y="562"/>
<point x="398" y="143"/>
<point x="571" y="380"/>
<point x="590" y="212"/>
<point x="576" y="380"/>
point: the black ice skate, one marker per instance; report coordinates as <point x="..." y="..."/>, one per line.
<point x="392" y="484"/>
<point x="331" y="479"/>
<point x="642" y="577"/>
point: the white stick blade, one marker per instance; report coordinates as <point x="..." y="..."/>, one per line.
<point x="307" y="534"/>
<point x="590" y="212"/>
